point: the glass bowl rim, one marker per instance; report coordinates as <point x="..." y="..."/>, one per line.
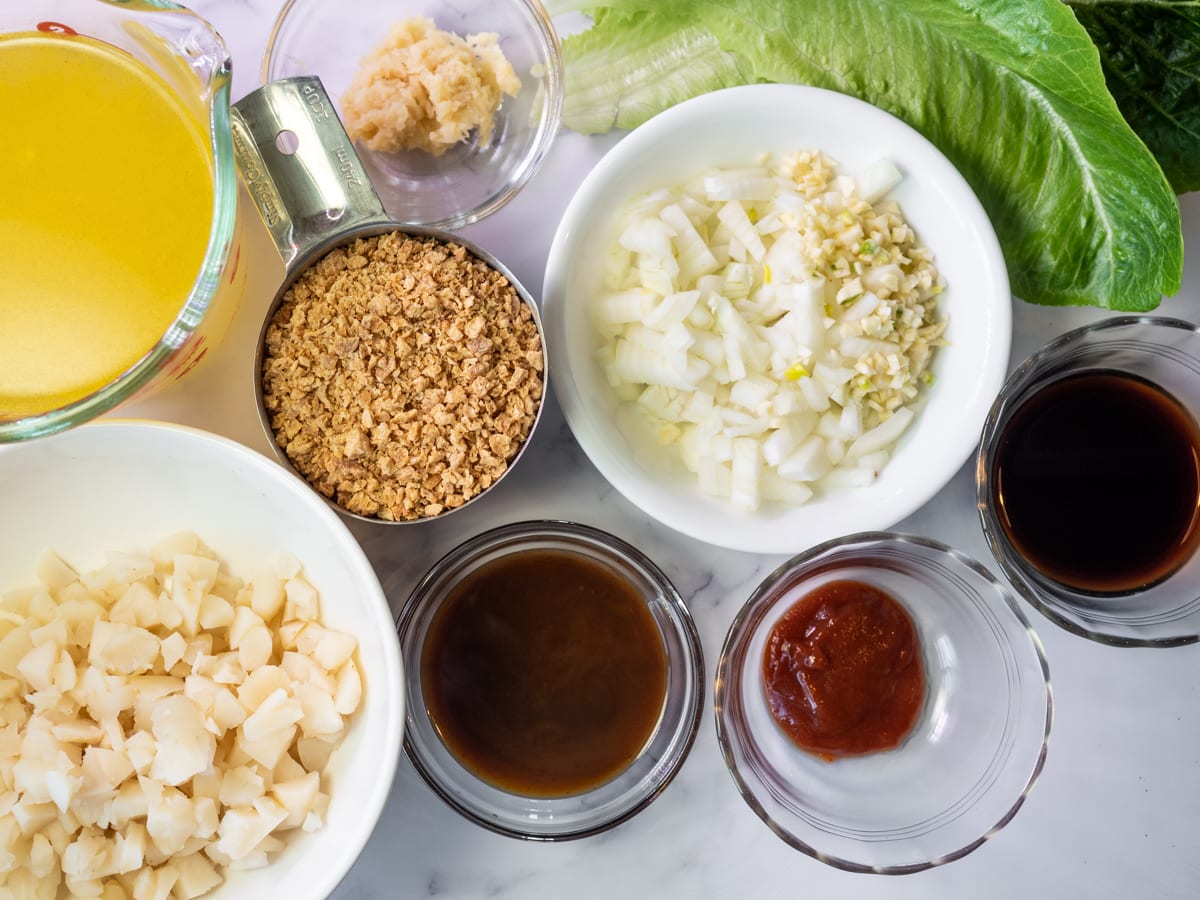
<point x="522" y="532"/>
<point x="738" y="635"/>
<point x="1002" y="407"/>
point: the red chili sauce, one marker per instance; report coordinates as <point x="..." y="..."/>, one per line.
<point x="842" y="671"/>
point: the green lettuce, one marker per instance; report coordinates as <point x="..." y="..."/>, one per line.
<point x="1012" y="91"/>
<point x="1150" y="52"/>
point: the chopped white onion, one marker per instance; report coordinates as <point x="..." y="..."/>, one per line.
<point x="772" y="324"/>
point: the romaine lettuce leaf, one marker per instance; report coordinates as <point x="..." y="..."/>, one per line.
<point x="1010" y="90"/>
<point x="1150" y="51"/>
<point x="632" y="65"/>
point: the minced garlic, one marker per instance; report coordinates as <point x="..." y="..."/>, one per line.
<point x="427" y="89"/>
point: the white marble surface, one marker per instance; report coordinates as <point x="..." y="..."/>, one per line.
<point x="1116" y="810"/>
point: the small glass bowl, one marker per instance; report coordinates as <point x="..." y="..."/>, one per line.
<point x="973" y="754"/>
<point x="1164" y="352"/>
<point x="609" y="804"/>
<point x="469" y="181"/>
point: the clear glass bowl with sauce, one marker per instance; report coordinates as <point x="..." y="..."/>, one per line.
<point x="473" y="178"/>
<point x="965" y="766"/>
<point x="1088" y="481"/>
<point x="556" y="680"/>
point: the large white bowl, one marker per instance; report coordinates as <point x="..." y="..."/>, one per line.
<point x="124" y="485"/>
<point x="732" y="127"/>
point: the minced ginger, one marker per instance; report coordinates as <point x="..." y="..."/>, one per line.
<point x="427" y="89"/>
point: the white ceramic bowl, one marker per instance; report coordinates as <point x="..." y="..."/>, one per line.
<point x="733" y="127"/>
<point x="122" y="485"/>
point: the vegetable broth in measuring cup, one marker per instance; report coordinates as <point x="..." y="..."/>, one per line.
<point x="107" y="185"/>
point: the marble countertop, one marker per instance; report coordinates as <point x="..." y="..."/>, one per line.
<point x="1114" y="814"/>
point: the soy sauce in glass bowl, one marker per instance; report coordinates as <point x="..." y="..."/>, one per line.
<point x="1090" y="451"/>
<point x="1088" y="481"/>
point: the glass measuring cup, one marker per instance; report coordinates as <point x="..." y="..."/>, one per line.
<point x="98" y="300"/>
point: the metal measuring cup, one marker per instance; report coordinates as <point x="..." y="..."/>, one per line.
<point x="313" y="194"/>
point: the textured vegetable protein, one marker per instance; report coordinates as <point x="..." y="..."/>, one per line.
<point x="427" y="89"/>
<point x="401" y="375"/>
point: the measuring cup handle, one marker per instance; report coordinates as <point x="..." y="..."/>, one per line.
<point x="300" y="167"/>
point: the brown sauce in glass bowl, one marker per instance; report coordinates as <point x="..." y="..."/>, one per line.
<point x="544" y="673"/>
<point x="842" y="671"/>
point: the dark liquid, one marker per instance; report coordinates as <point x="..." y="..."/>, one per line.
<point x="544" y="673"/>
<point x="1096" y="481"/>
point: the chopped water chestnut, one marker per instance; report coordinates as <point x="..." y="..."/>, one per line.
<point x="159" y="745"/>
